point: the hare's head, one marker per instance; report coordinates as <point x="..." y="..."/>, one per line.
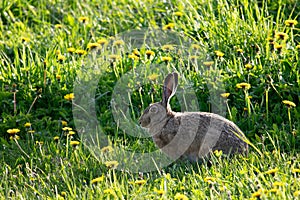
<point x="157" y="112"/>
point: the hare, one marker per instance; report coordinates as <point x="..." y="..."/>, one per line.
<point x="190" y="135"/>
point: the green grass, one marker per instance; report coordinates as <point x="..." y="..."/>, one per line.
<point x="37" y="70"/>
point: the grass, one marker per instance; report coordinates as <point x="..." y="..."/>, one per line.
<point x="45" y="59"/>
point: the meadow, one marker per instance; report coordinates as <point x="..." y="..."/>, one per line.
<point x="76" y="76"/>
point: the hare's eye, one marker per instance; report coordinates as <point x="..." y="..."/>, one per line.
<point x="153" y="109"/>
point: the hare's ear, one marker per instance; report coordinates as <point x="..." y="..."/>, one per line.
<point x="169" y="89"/>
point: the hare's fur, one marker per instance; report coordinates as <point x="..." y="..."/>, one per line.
<point x="190" y="135"/>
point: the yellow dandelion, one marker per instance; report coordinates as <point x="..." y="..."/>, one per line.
<point x="81" y="52"/>
<point x="111" y="164"/>
<point x="133" y="57"/>
<point x="153" y="77"/>
<point x="102" y="41"/>
<point x="60" y="58"/>
<point x="27" y="125"/>
<point x="297" y="193"/>
<point x="31" y="131"/>
<point x="257" y="193"/>
<point x="278" y="46"/>
<point x="149" y="53"/>
<point x="159" y="192"/>
<point x="83" y="19"/>
<point x="208" y="63"/>
<point x="291" y="22"/>
<point x="58" y="77"/>
<point x="167" y="47"/>
<point x="140" y="182"/>
<point x="272" y="171"/>
<point x="225" y="95"/>
<point x="74" y="143"/>
<point x="71" y="133"/>
<point x="209" y="180"/>
<point x="274" y="190"/>
<point x="56" y="138"/>
<point x="39" y="142"/>
<point x="298" y="46"/>
<point x="136" y="52"/>
<point x="288" y="103"/>
<point x="114" y="57"/>
<point x="107" y="149"/>
<point x="240" y="51"/>
<point x="281" y="36"/>
<point x="66" y="128"/>
<point x="97" y="180"/>
<point x="64" y="123"/>
<point x="69" y="97"/>
<point x="58" y="26"/>
<point x="25" y="39"/>
<point x="219" y="53"/>
<point x="178" y="14"/>
<point x="243" y="86"/>
<point x="295" y="170"/>
<point x="248" y="66"/>
<point x="166" y="58"/>
<point x="71" y="50"/>
<point x="194" y="57"/>
<point x="93" y="45"/>
<point x="179" y="196"/>
<point x="168" y="26"/>
<point x="63" y="194"/>
<point x="118" y="43"/>
<point x="13" y="131"/>
<point x="218" y="153"/>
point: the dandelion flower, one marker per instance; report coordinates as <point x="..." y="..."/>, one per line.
<point x="31" y="131"/>
<point x="257" y="193"/>
<point x="291" y="22"/>
<point x="93" y="45"/>
<point x="66" y="128"/>
<point x="208" y="63"/>
<point x="159" y="192"/>
<point x="298" y="46"/>
<point x="289" y="104"/>
<point x="272" y="171"/>
<point x="61" y="58"/>
<point x="248" y="66"/>
<point x="219" y="53"/>
<point x="27" y="125"/>
<point x="39" y="142"/>
<point x="297" y="193"/>
<point x="25" y="39"/>
<point x="102" y="41"/>
<point x="240" y="51"/>
<point x="140" y="182"/>
<point x="278" y="46"/>
<point x="80" y="52"/>
<point x="168" y="26"/>
<point x="178" y="14"/>
<point x="149" y="53"/>
<point x="278" y="184"/>
<point x="243" y="86"/>
<point x="133" y="57"/>
<point x="69" y="97"/>
<point x="194" y="57"/>
<point x="97" y="180"/>
<point x="136" y="52"/>
<point x="166" y="58"/>
<point x="74" y="143"/>
<point x="179" y="196"/>
<point x="58" y="77"/>
<point x="152" y="77"/>
<point x="118" y="43"/>
<point x="13" y="131"/>
<point x="14" y="137"/>
<point x="71" y="50"/>
<point x="71" y="133"/>
<point x="114" y="57"/>
<point x="111" y="164"/>
<point x="83" y="19"/>
<point x="274" y="190"/>
<point x="64" y="123"/>
<point x="209" y="180"/>
<point x="58" y="26"/>
<point x="218" y="153"/>
<point x="56" y="138"/>
<point x="225" y="95"/>
<point x="167" y="47"/>
<point x="281" y="36"/>
<point x="107" y="149"/>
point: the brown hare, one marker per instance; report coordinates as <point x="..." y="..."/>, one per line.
<point x="190" y="135"/>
